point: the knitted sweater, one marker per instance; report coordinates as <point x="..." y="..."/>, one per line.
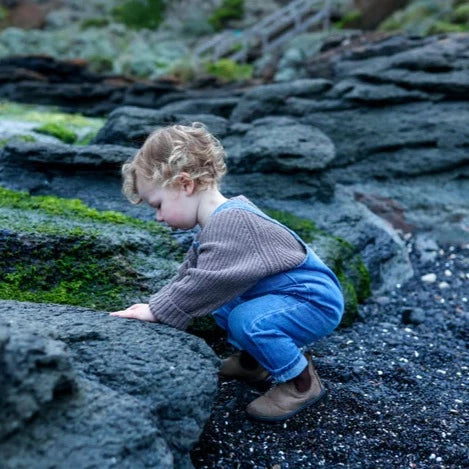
<point x="235" y="249"/>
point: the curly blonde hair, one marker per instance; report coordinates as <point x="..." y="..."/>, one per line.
<point x="169" y="151"/>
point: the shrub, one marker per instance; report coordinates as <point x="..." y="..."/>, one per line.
<point x="94" y="23"/>
<point x="350" y="20"/>
<point x="228" y="10"/>
<point x="138" y="14"/>
<point x="228" y="70"/>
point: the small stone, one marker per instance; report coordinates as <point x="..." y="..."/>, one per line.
<point x="412" y="315"/>
<point x="382" y="300"/>
<point x="448" y="273"/>
<point x="428" y="278"/>
<point x="443" y="285"/>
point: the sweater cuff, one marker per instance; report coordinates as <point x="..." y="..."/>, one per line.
<point x="166" y="311"/>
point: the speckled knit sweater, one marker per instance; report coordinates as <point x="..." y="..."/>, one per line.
<point x="235" y="249"/>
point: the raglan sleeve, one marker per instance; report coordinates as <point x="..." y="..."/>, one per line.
<point x="228" y="264"/>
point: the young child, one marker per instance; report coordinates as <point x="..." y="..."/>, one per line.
<point x="263" y="285"/>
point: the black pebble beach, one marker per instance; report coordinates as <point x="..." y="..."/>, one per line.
<point x="397" y="382"/>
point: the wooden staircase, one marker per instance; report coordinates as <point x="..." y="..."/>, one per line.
<point x="269" y="33"/>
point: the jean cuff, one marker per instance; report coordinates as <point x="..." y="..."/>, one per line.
<point x="291" y="371"/>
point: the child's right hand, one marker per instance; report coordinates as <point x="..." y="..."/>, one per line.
<point x="139" y="311"/>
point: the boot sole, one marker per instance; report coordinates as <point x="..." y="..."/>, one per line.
<point x="280" y="418"/>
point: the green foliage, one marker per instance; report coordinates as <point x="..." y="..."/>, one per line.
<point x="426" y="17"/>
<point x="59" y="131"/>
<point x="138" y="14"/>
<point x="228" y="70"/>
<point x="94" y="23"/>
<point x="4" y="13"/>
<point x="461" y="14"/>
<point x="228" y="10"/>
<point x="444" y="27"/>
<point x="351" y="19"/>
<point x="100" y="64"/>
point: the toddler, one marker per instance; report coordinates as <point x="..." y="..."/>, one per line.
<point x="263" y="285"/>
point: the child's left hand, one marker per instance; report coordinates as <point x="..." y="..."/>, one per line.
<point x="138" y="311"/>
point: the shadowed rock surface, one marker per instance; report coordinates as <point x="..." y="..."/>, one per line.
<point x="133" y="394"/>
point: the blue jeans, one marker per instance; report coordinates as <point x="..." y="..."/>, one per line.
<point x="272" y="327"/>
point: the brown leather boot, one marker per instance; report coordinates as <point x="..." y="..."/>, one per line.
<point x="283" y="400"/>
<point x="232" y="368"/>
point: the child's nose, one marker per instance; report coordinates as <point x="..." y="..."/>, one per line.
<point x="158" y="216"/>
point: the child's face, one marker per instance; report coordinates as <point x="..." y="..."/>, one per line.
<point x="177" y="207"/>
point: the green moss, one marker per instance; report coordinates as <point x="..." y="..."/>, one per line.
<point x="305" y="229"/>
<point x="138" y="14"/>
<point x="64" y="271"/>
<point x="27" y="138"/>
<point x="228" y="70"/>
<point x="61" y="251"/>
<point x="94" y="23"/>
<point x="227" y="11"/>
<point x="59" y="131"/>
<point x="71" y="208"/>
<point x="46" y="115"/>
<point x="351" y="19"/>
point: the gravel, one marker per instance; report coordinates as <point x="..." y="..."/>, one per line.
<point x="397" y="382"/>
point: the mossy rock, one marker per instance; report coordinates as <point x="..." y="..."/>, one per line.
<point x="339" y="255"/>
<point x="69" y="128"/>
<point x="61" y="251"/>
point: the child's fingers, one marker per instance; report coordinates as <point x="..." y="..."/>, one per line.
<point x="123" y="314"/>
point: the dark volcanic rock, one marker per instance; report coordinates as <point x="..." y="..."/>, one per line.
<point x="131" y="125"/>
<point x="274" y="145"/>
<point x="101" y="157"/>
<point x="84" y="388"/>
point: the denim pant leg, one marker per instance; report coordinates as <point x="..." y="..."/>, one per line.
<point x="272" y="328"/>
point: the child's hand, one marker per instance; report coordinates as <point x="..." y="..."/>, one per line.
<point x="138" y="311"/>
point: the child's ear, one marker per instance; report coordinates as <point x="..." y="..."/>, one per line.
<point x="187" y="183"/>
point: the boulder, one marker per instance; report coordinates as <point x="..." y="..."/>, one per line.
<point x="279" y="145"/>
<point x="269" y="99"/>
<point x="83" y="387"/>
<point x="131" y="125"/>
